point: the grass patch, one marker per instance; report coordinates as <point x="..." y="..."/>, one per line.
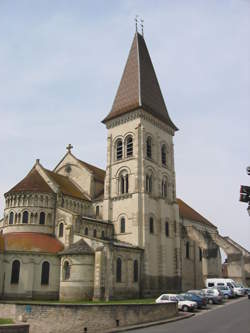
<point x="6" y="321"/>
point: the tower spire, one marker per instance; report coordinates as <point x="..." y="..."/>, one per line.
<point x="139" y="87"/>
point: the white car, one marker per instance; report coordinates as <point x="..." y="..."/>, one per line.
<point x="239" y="290"/>
<point x="182" y="303"/>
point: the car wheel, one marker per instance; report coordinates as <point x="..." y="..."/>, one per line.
<point x="210" y="301"/>
<point x="185" y="308"/>
<point x="226" y="296"/>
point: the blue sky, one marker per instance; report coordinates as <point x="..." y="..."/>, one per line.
<point x="60" y="66"/>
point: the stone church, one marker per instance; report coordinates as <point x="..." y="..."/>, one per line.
<point x="80" y="232"/>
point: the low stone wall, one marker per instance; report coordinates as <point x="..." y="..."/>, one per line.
<point x="64" y="318"/>
<point x="18" y="328"/>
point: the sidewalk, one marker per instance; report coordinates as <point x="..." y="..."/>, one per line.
<point x="152" y="323"/>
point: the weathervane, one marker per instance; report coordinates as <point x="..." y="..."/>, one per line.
<point x="69" y="147"/>
<point x="141" y="23"/>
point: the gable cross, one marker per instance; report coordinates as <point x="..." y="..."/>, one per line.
<point x="69" y="147"/>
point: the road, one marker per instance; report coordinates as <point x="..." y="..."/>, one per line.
<point x="233" y="317"/>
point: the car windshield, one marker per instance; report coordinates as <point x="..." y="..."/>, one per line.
<point x="180" y="298"/>
<point x="238" y="286"/>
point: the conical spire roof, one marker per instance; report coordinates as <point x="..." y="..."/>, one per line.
<point x="139" y="87"/>
<point x="33" y="182"/>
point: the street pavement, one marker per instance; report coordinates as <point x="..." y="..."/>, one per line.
<point x="232" y="317"/>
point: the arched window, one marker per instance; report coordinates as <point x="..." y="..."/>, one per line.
<point x="123" y="225"/>
<point x="11" y="218"/>
<point x="187" y="250"/>
<point x="129" y="146"/>
<point x="25" y="218"/>
<point x="66" y="270"/>
<point x="123" y="182"/>
<point x="164" y="187"/>
<point x="97" y="211"/>
<point x="163" y="155"/>
<point x="94" y="233"/>
<point x="61" y="229"/>
<point x="136" y="271"/>
<point x="118" y="270"/>
<point x="167" y="229"/>
<point x="119" y="149"/>
<point x="151" y="225"/>
<point x="149" y="183"/>
<point x="200" y="254"/>
<point x="86" y="231"/>
<point x="42" y="218"/>
<point x="103" y="234"/>
<point x="15" y="272"/>
<point x="45" y="273"/>
<point x="149" y="147"/>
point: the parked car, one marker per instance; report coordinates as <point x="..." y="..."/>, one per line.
<point x="239" y="290"/>
<point x="183" y="304"/>
<point x="226" y="291"/>
<point x="246" y="289"/>
<point x="248" y="294"/>
<point x="198" y="292"/>
<point x="200" y="300"/>
<point x="214" y="295"/>
<point x="216" y="282"/>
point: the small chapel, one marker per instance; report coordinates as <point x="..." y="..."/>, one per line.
<point x="79" y="232"/>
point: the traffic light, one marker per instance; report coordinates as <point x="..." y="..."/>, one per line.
<point x="244" y="193"/>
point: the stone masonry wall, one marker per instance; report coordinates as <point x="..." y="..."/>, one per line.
<point x="64" y="318"/>
<point x="23" y="328"/>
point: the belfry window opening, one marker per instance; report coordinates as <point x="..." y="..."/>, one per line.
<point x="119" y="149"/>
<point x="149" y="183"/>
<point x="163" y="155"/>
<point x="129" y="146"/>
<point x="123" y="183"/>
<point x="149" y="147"/>
<point x="164" y="188"/>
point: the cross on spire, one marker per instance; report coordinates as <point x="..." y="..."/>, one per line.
<point x="139" y="20"/>
<point x="69" y="147"/>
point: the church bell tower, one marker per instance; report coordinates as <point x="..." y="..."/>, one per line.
<point x="140" y="190"/>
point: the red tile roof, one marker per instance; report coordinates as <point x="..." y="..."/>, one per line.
<point x="32" y="242"/>
<point x="33" y="182"/>
<point x="190" y="214"/>
<point x="139" y="87"/>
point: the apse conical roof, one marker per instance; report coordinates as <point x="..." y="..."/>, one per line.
<point x="139" y="87"/>
<point x="33" y="182"/>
